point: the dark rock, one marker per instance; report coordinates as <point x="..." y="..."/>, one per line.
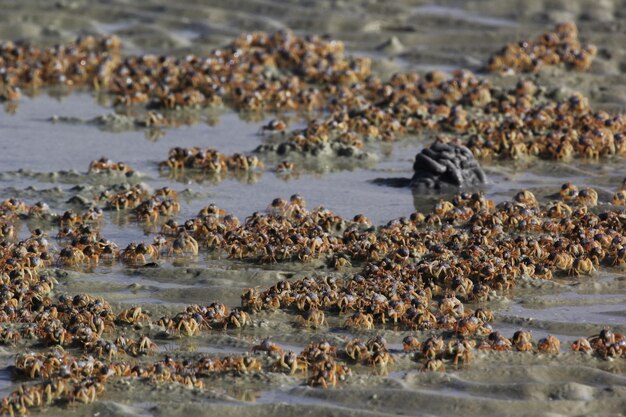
<point x="446" y="164"/>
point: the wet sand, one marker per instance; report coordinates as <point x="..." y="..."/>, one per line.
<point x="44" y="159"/>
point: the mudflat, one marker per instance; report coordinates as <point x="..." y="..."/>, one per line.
<point x="49" y="139"/>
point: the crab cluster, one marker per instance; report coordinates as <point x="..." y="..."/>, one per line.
<point x="410" y="307"/>
<point x="82" y="379"/>
<point x="196" y="318"/>
<point x="78" y="63"/>
<point x="462" y="251"/>
<point x="606" y="344"/>
<point x="508" y="124"/>
<point x="162" y="203"/>
<point x="40" y="395"/>
<point x="384" y="111"/>
<point x="67" y="378"/>
<point x="126" y="198"/>
<point x="325" y="370"/>
<point x="106" y="165"/>
<point x="560" y="46"/>
<point x="415" y="273"/>
<point x="547" y="129"/>
<point x="314" y="75"/>
<point x="236" y="72"/>
<point x="208" y="161"/>
<point x="435" y="352"/>
<point x="147" y="207"/>
<point x="286" y="232"/>
<point x="373" y="352"/>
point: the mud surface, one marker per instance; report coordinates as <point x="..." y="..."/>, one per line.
<point x="49" y="140"/>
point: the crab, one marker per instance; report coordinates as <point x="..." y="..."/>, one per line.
<point x="411" y="344"/>
<point x="292" y="362"/>
<point x="14" y="205"/>
<point x="604" y="338"/>
<point x="274" y="126"/>
<point x="71" y="256"/>
<point x="184" y="243"/>
<point x="131" y="316"/>
<point x="29" y="397"/>
<point x="168" y="207"/>
<point x="106" y="249"/>
<point x="461" y="350"/>
<point x="10" y="336"/>
<point x="85" y="392"/>
<point x="559" y="210"/>
<point x="312" y="318"/>
<point x="10" y="407"/>
<point x="581" y="345"/>
<point x="360" y="320"/>
<point x="267" y="346"/>
<point x="104" y="164"/>
<point x="285" y="168"/>
<point x="377" y="344"/>
<point x="322" y="378"/>
<point x="615" y="350"/>
<point x="619" y="198"/>
<point x="381" y="359"/>
<point x="237" y="318"/>
<point x="587" y="197"/>
<point x="187" y="324"/>
<point x="315" y="351"/>
<point x="563" y="261"/>
<point x="582" y="266"/>
<point x="468" y="325"/>
<point x="463" y="287"/>
<point x="39" y="210"/>
<point x="522" y="340"/>
<point x="307" y="301"/>
<point x="29" y="364"/>
<point x="53" y="389"/>
<point x="484" y="314"/>
<point x="136" y="253"/>
<point x="357" y="350"/>
<point x="105" y="349"/>
<point x="433" y="365"/>
<point x="443" y="207"/>
<point x="247" y="364"/>
<point x="148" y="211"/>
<point x="326" y="373"/>
<point x="173" y="164"/>
<point x="55" y="334"/>
<point x="498" y="342"/>
<point x="549" y="344"/>
<point x="432" y="347"/>
<point x="527" y="198"/>
<point x="341" y="261"/>
<point x="450" y="305"/>
<point x="92" y="256"/>
<point x="346" y="302"/>
<point x="69" y="219"/>
<point x="250" y="300"/>
<point x="143" y="346"/>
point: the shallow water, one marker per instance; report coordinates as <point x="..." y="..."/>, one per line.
<point x="458" y="14"/>
<point x="444" y="36"/>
